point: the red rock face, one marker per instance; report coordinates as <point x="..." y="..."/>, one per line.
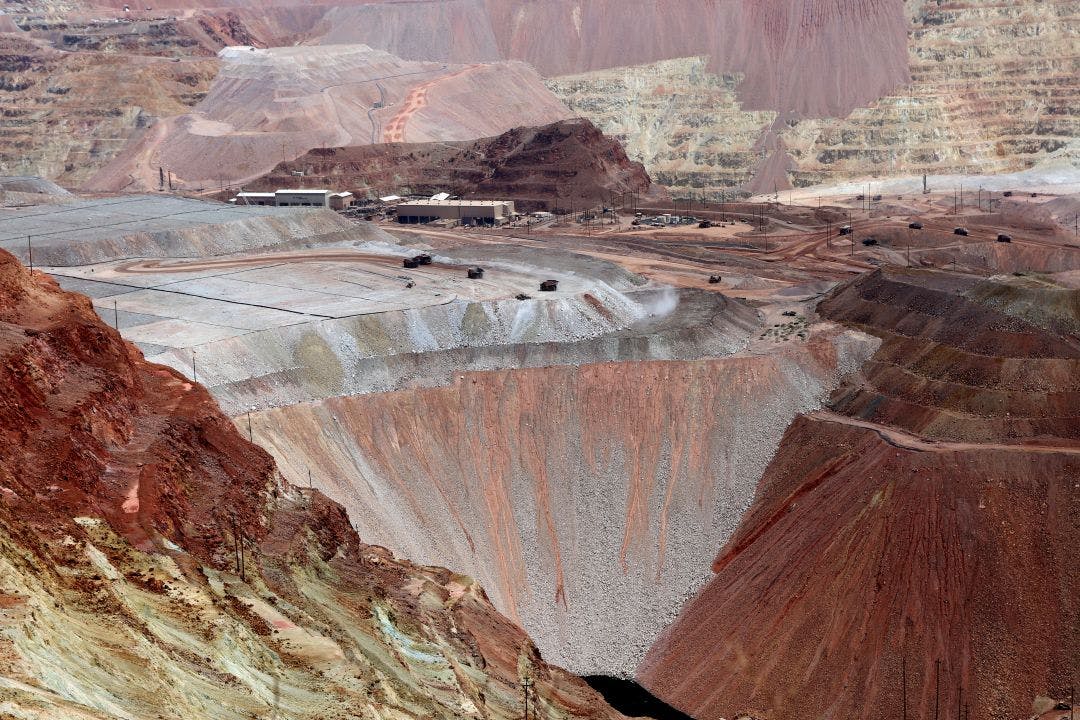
<point x="926" y="519"/>
<point x="94" y="430"/>
<point x="123" y="492"/>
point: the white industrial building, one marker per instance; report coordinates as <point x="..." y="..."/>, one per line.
<point x="469" y="212"/>
<point x="297" y="198"/>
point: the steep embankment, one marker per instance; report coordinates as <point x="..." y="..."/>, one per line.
<point x="21" y="191"/>
<point x="992" y="90"/>
<point x="911" y="549"/>
<point x="588" y="499"/>
<point x="808" y="56"/>
<point x="153" y="563"/>
<point x="536" y="166"/>
<point x="983" y="89"/>
<point x="87" y="231"/>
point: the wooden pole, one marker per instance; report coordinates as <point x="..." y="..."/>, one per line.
<point x="526" y="684"/>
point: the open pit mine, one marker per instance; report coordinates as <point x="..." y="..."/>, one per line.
<point x="746" y="95"/>
<point x="494" y="359"/>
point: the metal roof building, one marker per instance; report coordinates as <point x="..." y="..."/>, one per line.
<point x="303" y="198"/>
<point x="469" y="212"/>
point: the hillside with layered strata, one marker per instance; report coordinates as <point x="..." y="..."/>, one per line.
<point x="991" y="89"/>
<point x="710" y="96"/>
<point x="153" y="562"/>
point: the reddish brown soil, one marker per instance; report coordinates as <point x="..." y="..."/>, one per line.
<point x="535" y="166"/>
<point x="931" y="516"/>
<point x="92" y="429"/>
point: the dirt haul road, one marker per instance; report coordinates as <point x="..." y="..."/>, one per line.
<point x="416" y="100"/>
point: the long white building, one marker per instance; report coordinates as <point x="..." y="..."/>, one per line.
<point x="469" y="212"/>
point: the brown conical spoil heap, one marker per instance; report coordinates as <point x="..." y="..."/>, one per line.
<point x="539" y="167"/>
<point x="154" y="564"/>
<point x="930" y="516"/>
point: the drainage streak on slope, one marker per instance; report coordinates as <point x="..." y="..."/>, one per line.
<point x="587" y="500"/>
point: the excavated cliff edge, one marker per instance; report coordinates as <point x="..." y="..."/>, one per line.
<point x="153" y="563"/>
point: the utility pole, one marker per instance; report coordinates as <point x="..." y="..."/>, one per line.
<point x="30" y="252"/>
<point x="309" y="479"/>
<point x="116" y="317"/>
<point x="526" y="683"/>
<point x="238" y="546"/>
<point x="851" y="232"/>
<point x="251" y="436"/>
<point x="194" y="375"/>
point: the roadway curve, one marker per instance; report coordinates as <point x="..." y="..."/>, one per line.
<point x="909" y="441"/>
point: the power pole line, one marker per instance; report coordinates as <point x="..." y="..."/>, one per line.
<point x="851" y="232"/>
<point x="526" y="683"/>
<point x="30" y="252"/>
